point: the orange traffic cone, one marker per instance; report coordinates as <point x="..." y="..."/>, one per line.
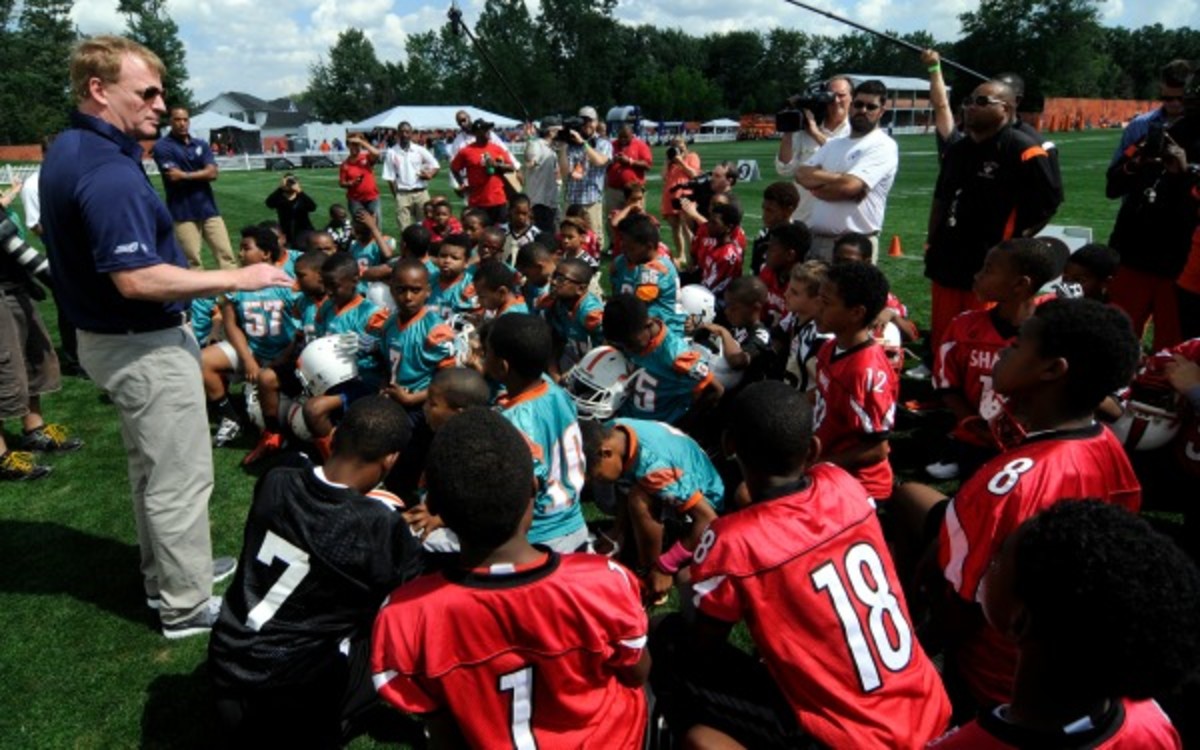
<point x="894" y="251"/>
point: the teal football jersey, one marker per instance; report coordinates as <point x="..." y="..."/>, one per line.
<point x="655" y="282"/>
<point x="417" y="348"/>
<point x="262" y="316"/>
<point x="580" y="326"/>
<point x="366" y="320"/>
<point x="669" y="375"/>
<point x="457" y="296"/>
<point x="670" y="466"/>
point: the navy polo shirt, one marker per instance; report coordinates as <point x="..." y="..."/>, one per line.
<point x="101" y="214"/>
<point x="187" y="200"/>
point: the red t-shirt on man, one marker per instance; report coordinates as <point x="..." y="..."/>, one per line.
<point x="483" y="190"/>
<point x="620" y="175"/>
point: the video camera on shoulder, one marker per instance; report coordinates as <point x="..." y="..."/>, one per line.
<point x="569" y="124"/>
<point x="790" y="119"/>
<point x="698" y="189"/>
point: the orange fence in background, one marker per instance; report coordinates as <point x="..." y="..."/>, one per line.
<point x="1084" y="114"/>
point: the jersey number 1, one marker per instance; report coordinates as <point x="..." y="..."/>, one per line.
<point x="873" y="593"/>
<point x="520" y="684"/>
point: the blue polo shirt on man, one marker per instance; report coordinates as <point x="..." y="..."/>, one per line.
<point x="187" y="200"/>
<point x="101" y="214"/>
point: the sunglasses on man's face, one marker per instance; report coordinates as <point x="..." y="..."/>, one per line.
<point x="150" y="93"/>
<point x="869" y="106"/>
<point x="981" y="101"/>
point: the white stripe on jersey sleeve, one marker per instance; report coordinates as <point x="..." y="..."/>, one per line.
<point x="635" y="643"/>
<point x="704" y="588"/>
<point x="383" y="678"/>
<point x="958" y="548"/>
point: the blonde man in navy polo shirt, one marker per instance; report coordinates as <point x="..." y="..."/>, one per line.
<point x="188" y="171"/>
<point x="123" y="282"/>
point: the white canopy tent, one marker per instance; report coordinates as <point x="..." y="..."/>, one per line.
<point x="722" y="129"/>
<point x="204" y="123"/>
<point x="430" y="118"/>
<point x="720" y="124"/>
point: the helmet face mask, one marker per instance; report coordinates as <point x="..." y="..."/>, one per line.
<point x="598" y="384"/>
<point x="1150" y="412"/>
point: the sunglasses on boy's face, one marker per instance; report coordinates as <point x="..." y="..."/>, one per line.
<point x="558" y="278"/>
<point x="869" y="106"/>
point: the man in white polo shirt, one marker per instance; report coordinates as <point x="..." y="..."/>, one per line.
<point x="407" y="169"/>
<point x="850" y="177"/>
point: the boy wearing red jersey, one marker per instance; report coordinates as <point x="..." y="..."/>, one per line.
<point x="1068" y="357"/>
<point x="1012" y="274"/>
<point x="1105" y="613"/>
<point x="514" y="644"/>
<point x="855" y="398"/>
<point x="807" y="568"/>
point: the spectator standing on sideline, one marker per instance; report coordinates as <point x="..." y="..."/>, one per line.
<point x="407" y="169"/>
<point x="484" y="164"/>
<point x="541" y="175"/>
<point x="681" y="167"/>
<point x="630" y="161"/>
<point x="462" y="137"/>
<point x="357" y="177"/>
<point x="849" y="178"/>
<point x="995" y="184"/>
<point x="124" y="281"/>
<point x="582" y="165"/>
<point x="795" y="150"/>
<point x="292" y="206"/>
<point x="29" y="367"/>
<point x="188" y="171"/>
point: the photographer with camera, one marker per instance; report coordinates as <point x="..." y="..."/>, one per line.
<point x="805" y="135"/>
<point x="582" y="163"/>
<point x="188" y="170"/>
<point x="630" y="162"/>
<point x="30" y="367"/>
<point x="1154" y="225"/>
<point x="541" y="173"/>
<point x="681" y="167"/>
<point x="292" y="205"/>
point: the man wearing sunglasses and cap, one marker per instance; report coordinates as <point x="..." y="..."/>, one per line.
<point x="995" y="184"/>
<point x="123" y="281"/>
<point x="850" y="178"/>
<point x="464" y="136"/>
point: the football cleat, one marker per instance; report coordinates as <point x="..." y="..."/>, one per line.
<point x="227" y="432"/>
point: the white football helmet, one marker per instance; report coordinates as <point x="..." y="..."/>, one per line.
<point x="381" y="294"/>
<point x="599" y="383"/>
<point x="466" y="338"/>
<point x="698" y="303"/>
<point x="713" y="352"/>
<point x="893" y="345"/>
<point x="1150" y="414"/>
<point x="327" y="362"/>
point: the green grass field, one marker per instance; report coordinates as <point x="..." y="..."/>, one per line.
<point x="82" y="664"/>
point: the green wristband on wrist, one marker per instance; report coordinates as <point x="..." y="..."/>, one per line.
<point x="935" y="68"/>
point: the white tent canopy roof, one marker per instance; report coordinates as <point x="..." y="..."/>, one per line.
<point x="204" y="123"/>
<point x="720" y="123"/>
<point x="430" y="118"/>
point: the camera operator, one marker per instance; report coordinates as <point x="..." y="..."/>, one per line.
<point x="582" y="164"/>
<point x="541" y="174"/>
<point x="292" y="205"/>
<point x="701" y="189"/>
<point x="797" y="148"/>
<point x="30" y="366"/>
<point x="1154" y="225"/>
<point x="681" y="167"/>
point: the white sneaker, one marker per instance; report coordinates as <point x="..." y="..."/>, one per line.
<point x="201" y="622"/>
<point x="226" y="432"/>
<point x="942" y="470"/>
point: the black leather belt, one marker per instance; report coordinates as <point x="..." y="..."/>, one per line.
<point x="157" y="324"/>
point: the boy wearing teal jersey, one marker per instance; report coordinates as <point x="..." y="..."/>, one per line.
<point x="205" y="318"/>
<point x="452" y="287"/>
<point x="515" y="354"/>
<point x="536" y="262"/>
<point x="663" y="473"/>
<point x="417" y="341"/>
<point x="280" y="377"/>
<point x="372" y="249"/>
<point x="347" y="311"/>
<point x="416" y="241"/>
<point x="647" y="273"/>
<point x="256" y="333"/>
<point x="576" y="316"/>
<point x="497" y="290"/>
<point x="672" y="380"/>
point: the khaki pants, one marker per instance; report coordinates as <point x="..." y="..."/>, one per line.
<point x="188" y="233"/>
<point x="154" y="381"/>
<point x="599" y="222"/>
<point x="410" y="209"/>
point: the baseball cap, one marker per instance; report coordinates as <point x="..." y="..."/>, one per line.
<point x="481" y="124"/>
<point x="588" y="113"/>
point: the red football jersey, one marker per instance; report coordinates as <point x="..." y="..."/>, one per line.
<point x="720" y="265"/>
<point x="776" y="308"/>
<point x="1005" y="492"/>
<point x="966" y="356"/>
<point x="528" y="655"/>
<point x="1132" y="725"/>
<point x="1186" y="444"/>
<point x="856" y="398"/>
<point x="811" y="575"/>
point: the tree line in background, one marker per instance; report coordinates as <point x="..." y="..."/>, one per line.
<point x="35" y="43"/>
<point x="575" y="51"/>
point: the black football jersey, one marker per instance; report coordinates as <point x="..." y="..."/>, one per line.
<point x="317" y="562"/>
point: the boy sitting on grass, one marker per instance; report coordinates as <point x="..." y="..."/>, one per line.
<point x="796" y="338"/>
<point x="779" y="202"/>
<point x="806" y="566"/>
<point x="453" y="288"/>
<point x="786" y="246"/>
<point x="497" y="290"/>
<point x="576" y="316"/>
<point x="547" y="650"/>
<point x="647" y="271"/>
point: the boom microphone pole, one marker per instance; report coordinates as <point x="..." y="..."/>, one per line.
<point x="888" y="37"/>
<point x="458" y="27"/>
